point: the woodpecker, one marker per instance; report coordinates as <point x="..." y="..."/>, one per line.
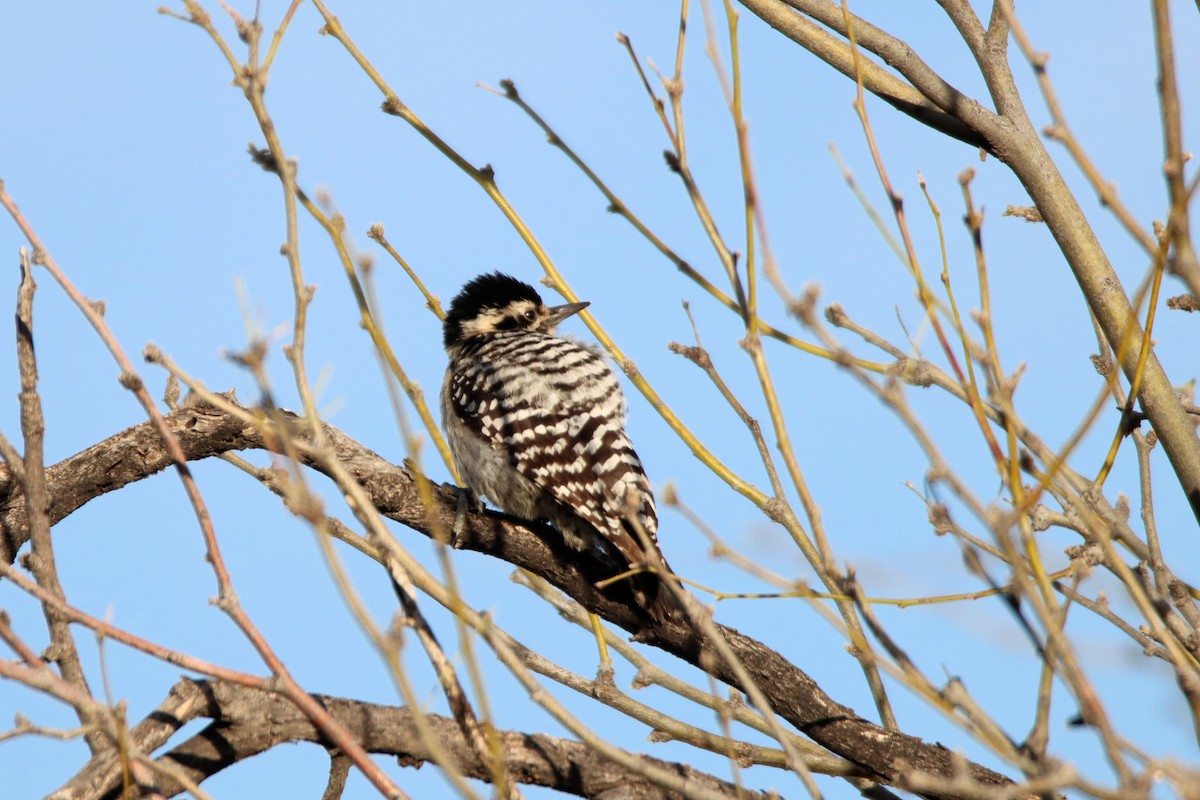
<point x="536" y="424"/>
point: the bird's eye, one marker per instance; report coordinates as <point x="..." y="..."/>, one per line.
<point x="530" y="315"/>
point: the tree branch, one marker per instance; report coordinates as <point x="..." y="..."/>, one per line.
<point x="922" y="94"/>
<point x="62" y="650"/>
<point x="1008" y="134"/>
<point x="205" y="431"/>
<point x="248" y="721"/>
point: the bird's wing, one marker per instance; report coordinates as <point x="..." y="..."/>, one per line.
<point x="563" y="428"/>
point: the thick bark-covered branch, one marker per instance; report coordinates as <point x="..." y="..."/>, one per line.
<point x="918" y="91"/>
<point x="1008" y="134"/>
<point x="131" y="455"/>
<point x="205" y="431"/>
<point x="247" y="721"/>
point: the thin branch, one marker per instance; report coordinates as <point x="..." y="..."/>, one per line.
<point x="62" y="650"/>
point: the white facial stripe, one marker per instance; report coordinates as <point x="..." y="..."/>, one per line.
<point x="490" y="319"/>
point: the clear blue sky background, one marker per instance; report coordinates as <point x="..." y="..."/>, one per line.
<point x="124" y="143"/>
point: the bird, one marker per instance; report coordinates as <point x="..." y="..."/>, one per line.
<point x="535" y="423"/>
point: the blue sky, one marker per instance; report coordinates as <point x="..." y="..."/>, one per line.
<point x="125" y="144"/>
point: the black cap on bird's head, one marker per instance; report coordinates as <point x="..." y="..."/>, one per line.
<point x="495" y="302"/>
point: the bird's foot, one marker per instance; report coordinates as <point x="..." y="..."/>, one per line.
<point x="467" y="503"/>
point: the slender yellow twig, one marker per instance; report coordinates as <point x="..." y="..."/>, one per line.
<point x="376" y="233"/>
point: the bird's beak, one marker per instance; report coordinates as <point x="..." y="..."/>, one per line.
<point x="559" y="313"/>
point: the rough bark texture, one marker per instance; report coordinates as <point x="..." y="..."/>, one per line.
<point x="205" y="431"/>
<point x="246" y="722"/>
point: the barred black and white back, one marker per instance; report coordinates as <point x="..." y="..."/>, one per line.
<point x="536" y="424"/>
